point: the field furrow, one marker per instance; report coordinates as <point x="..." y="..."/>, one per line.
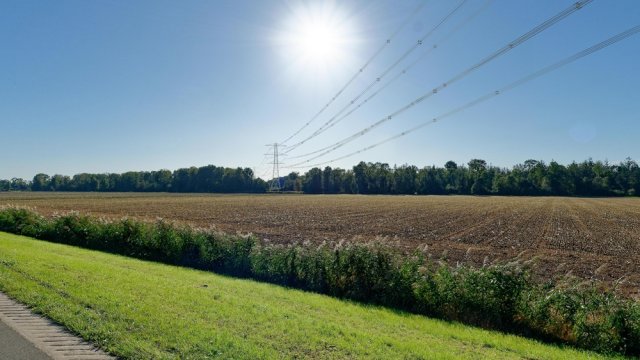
<point x="592" y="238"/>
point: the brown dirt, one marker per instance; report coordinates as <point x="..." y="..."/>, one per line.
<point x="586" y="237"/>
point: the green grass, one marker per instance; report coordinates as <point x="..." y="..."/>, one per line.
<point x="140" y="310"/>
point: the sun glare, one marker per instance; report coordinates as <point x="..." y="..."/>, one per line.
<point x="317" y="38"/>
<point x="318" y="41"/>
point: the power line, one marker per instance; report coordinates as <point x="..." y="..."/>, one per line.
<point x="398" y="75"/>
<point x="612" y="40"/>
<point x="266" y="171"/>
<point x="511" y="45"/>
<point x="377" y="80"/>
<point x="260" y="166"/>
<point x="263" y="161"/>
<point x="361" y="70"/>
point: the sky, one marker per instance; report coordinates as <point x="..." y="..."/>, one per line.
<point x="113" y="86"/>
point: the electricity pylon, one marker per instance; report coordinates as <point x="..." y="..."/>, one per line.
<point x="274" y="185"/>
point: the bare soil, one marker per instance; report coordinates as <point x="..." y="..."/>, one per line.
<point x="592" y="238"/>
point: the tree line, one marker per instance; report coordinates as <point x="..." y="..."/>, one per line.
<point x="533" y="177"/>
<point x="206" y="179"/>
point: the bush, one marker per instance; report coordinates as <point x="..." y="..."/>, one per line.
<point x="21" y="221"/>
<point x="497" y="297"/>
<point x="629" y="322"/>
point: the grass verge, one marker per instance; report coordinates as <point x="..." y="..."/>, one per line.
<point x="140" y="310"/>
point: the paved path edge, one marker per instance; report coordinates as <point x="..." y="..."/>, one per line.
<point x="49" y="337"/>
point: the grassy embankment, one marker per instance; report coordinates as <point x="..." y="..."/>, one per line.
<point x="137" y="309"/>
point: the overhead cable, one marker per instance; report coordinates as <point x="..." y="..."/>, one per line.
<point x="402" y="72"/>
<point x="379" y="78"/>
<point x="511" y="45"/>
<point x="612" y="40"/>
<point x="360" y="70"/>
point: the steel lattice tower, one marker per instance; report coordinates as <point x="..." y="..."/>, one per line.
<point x="274" y="185"/>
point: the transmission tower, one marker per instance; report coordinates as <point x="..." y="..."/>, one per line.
<point x="274" y="185"/>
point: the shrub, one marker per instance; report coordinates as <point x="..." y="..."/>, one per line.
<point x="21" y="221"/>
<point x="628" y="319"/>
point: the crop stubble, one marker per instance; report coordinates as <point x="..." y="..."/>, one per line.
<point x="587" y="237"/>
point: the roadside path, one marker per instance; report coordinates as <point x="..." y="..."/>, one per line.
<point x="15" y="347"/>
<point x="27" y="336"/>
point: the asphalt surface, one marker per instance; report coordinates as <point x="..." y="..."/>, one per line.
<point x="25" y="335"/>
<point x="15" y="347"/>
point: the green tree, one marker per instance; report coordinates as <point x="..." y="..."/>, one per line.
<point x="41" y="182"/>
<point x="404" y="179"/>
<point x="361" y="178"/>
<point x="5" y="185"/>
<point x="18" y="184"/>
<point x="327" y="181"/>
<point x="313" y="181"/>
<point x="481" y="179"/>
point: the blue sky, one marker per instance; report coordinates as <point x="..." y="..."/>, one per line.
<point x="112" y="86"/>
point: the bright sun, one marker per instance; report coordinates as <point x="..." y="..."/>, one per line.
<point x="318" y="41"/>
<point x="317" y="37"/>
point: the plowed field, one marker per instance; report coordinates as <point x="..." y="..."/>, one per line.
<point x="589" y="238"/>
